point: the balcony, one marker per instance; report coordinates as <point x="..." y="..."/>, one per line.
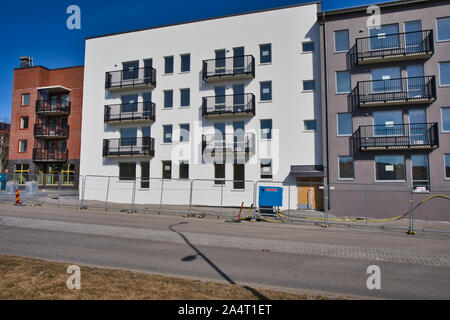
<point x="233" y="68"/>
<point x="130" y="112"/>
<point x="229" y="143"/>
<point x="394" y="47"/>
<point x="413" y="136"/>
<point x="129" y="147"/>
<point x="237" y="105"/>
<point x="401" y="91"/>
<point x="134" y="78"/>
<point x="53" y="107"/>
<point x="51" y="131"/>
<point x="50" y="155"/>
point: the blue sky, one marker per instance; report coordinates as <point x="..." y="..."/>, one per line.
<point x="38" y="28"/>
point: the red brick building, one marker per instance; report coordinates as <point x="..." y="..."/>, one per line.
<point x="46" y="125"/>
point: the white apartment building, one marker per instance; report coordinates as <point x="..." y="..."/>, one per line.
<point x="243" y="89"/>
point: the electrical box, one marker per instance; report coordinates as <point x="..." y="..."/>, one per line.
<point x="270" y="197"/>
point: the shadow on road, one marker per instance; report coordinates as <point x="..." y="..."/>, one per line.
<point x="207" y="260"/>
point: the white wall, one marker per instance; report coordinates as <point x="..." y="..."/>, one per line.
<point x="285" y="29"/>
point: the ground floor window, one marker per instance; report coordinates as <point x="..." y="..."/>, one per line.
<point x="127" y="171"/>
<point x="420" y="178"/>
<point x="167" y="169"/>
<point x="145" y="174"/>
<point x="21" y="173"/>
<point x="238" y="176"/>
<point x="447" y="166"/>
<point x="68" y="175"/>
<point x="184" y="170"/>
<point x="219" y="173"/>
<point x="390" y="168"/>
<point x="346" y="169"/>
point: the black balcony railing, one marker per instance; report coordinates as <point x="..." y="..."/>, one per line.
<point x="396" y="136"/>
<point x="51" y="131"/>
<point x="232" y="67"/>
<point x="236" y="104"/>
<point x="50" y="155"/>
<point x="398" y="46"/>
<point x="395" y="91"/>
<point x="142" y="111"/>
<point x="228" y="143"/>
<point x="131" y="78"/>
<point x="53" y="106"/>
<point x="129" y="147"/>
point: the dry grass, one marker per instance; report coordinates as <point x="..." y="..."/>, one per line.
<point x="32" y="279"/>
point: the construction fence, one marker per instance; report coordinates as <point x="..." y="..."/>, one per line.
<point x="385" y="206"/>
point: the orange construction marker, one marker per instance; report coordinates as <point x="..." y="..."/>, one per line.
<point x="17" y="197"/>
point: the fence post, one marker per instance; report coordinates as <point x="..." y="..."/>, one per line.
<point x="133" y="197"/>
<point x="221" y="194"/>
<point x="289" y="202"/>
<point x="190" y="197"/>
<point x="367" y="205"/>
<point x="107" y="194"/>
<point x="161" y="198"/>
<point x="325" y="199"/>
<point x="411" y="211"/>
<point x="59" y="191"/>
<point x="83" y="186"/>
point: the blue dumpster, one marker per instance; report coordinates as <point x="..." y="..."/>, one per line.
<point x="3" y="180"/>
<point x="270" y="197"/>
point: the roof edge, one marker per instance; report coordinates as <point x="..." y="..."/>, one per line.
<point x="33" y="67"/>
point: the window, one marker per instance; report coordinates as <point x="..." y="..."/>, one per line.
<point x="265" y="53"/>
<point x="309" y="125"/>
<point x="341" y="41"/>
<point x="266" y="129"/>
<point x="346" y="170"/>
<point x="21" y="173"/>
<point x="26" y="99"/>
<point x="168" y="98"/>
<point x="167" y="169"/>
<point x="309" y="85"/>
<point x="447" y="166"/>
<point x="443" y="29"/>
<point x="266" y="169"/>
<point x="386" y="80"/>
<point x="128" y="136"/>
<point x="266" y="91"/>
<point x="23" y="122"/>
<point x="185" y="97"/>
<point x="343" y="82"/>
<point x="167" y="132"/>
<point x="384" y="37"/>
<point x="419" y="163"/>
<point x="145" y="175"/>
<point x="127" y="171"/>
<point x="444" y="73"/>
<point x="185" y="62"/>
<point x="445" y="115"/>
<point x="219" y="173"/>
<point x="239" y="176"/>
<point x="390" y="168"/>
<point x="308" y="46"/>
<point x="184" y="132"/>
<point x="23" y="146"/>
<point x="168" y="65"/>
<point x="388" y="123"/>
<point x="130" y="70"/>
<point x="129" y="103"/>
<point x="184" y="170"/>
<point x="344" y="124"/>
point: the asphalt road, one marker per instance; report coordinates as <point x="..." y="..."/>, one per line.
<point x="298" y="258"/>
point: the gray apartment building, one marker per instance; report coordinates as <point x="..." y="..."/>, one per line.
<point x="386" y="107"/>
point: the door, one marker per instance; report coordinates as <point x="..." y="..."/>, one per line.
<point x="238" y="60"/>
<point x="220" y="98"/>
<point x="413" y="36"/>
<point x="385" y="37"/>
<point x="418" y="126"/>
<point x="238" y="98"/>
<point x="310" y="196"/>
<point x="220" y="65"/>
<point x="386" y="80"/>
<point x="147" y="105"/>
<point x="388" y="123"/>
<point x="416" y="81"/>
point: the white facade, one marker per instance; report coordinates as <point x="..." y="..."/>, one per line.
<point x="285" y="29"/>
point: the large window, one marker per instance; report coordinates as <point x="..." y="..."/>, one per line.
<point x="184" y="132"/>
<point x="388" y="123"/>
<point x="265" y="53"/>
<point x="128" y="136"/>
<point x="145" y="175"/>
<point x="130" y="103"/>
<point x="386" y="80"/>
<point x="390" y="168"/>
<point x="167" y="169"/>
<point x="184" y="169"/>
<point x="419" y="163"/>
<point x="444" y="73"/>
<point x="443" y="29"/>
<point x="344" y="124"/>
<point x="447" y="166"/>
<point x="168" y="98"/>
<point x="239" y="176"/>
<point x="219" y="173"/>
<point x="341" y="41"/>
<point x="385" y="37"/>
<point x="445" y="115"/>
<point x="266" y="129"/>
<point x="127" y="171"/>
<point x="21" y="173"/>
<point x="346" y="171"/>
<point x="167" y="133"/>
<point x="266" y="90"/>
<point x="23" y="145"/>
<point x="130" y="70"/>
<point x="168" y="65"/>
<point x="185" y="97"/>
<point x="343" y="83"/>
<point x="185" y="62"/>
